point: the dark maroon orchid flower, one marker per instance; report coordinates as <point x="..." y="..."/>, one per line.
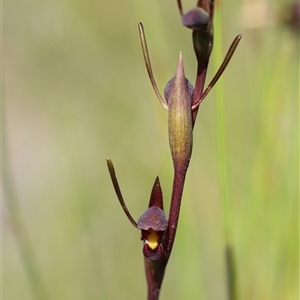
<point x="153" y="223"/>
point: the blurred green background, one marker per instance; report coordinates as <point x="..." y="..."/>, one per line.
<point x="75" y="91"/>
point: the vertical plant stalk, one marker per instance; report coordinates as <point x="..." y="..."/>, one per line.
<point x="180" y="127"/>
<point x="178" y="185"/>
<point x="224" y="170"/>
<point x="179" y="98"/>
<point x="18" y="227"/>
<point x="182" y="103"/>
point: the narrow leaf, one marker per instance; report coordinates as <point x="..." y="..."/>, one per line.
<point x="220" y="70"/>
<point x="114" y="180"/>
<point x="148" y="64"/>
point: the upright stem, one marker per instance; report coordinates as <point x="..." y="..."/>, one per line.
<point x="18" y="227"/>
<point x="199" y="86"/>
<point x="178" y="185"/>
<point x="154" y="274"/>
<point x="223" y="169"/>
<point x="155" y="270"/>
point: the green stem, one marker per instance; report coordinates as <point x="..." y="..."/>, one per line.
<point x="18" y="227"/>
<point x="223" y="164"/>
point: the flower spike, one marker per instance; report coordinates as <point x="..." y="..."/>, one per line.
<point x="148" y="64"/>
<point x="115" y="183"/>
<point x="181" y="100"/>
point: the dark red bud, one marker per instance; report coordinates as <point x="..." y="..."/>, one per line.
<point x="197" y="19"/>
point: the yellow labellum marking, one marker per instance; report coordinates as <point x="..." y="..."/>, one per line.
<point x="152" y="239"/>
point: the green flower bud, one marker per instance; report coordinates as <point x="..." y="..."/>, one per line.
<point x="178" y="94"/>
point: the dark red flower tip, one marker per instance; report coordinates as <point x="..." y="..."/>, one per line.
<point x="197" y="19"/>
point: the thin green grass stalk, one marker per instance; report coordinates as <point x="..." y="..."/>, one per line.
<point x="223" y="161"/>
<point x="19" y="229"/>
<point x="277" y="153"/>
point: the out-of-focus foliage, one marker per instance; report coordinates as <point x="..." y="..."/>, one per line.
<point x="75" y="91"/>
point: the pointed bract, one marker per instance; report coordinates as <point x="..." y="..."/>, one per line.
<point x="156" y="198"/>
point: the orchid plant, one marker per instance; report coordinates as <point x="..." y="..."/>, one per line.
<point x="182" y="102"/>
